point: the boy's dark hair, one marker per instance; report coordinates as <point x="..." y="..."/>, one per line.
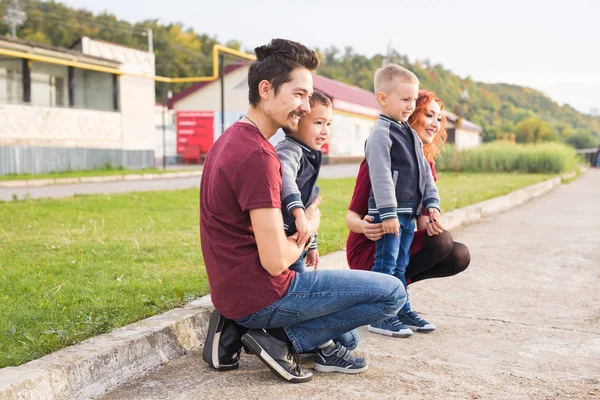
<point x="275" y="62"/>
<point x="319" y="98"/>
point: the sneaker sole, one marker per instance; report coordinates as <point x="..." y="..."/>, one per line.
<point x="332" y="368"/>
<point x="420" y="329"/>
<point x="389" y="333"/>
<point x="256" y="349"/>
<point x="210" y="354"/>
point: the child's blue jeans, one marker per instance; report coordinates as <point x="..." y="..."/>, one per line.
<point x="393" y="253"/>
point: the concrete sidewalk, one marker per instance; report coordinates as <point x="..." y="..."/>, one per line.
<point x="522" y="322"/>
<point x="66" y="187"/>
<point x="509" y="320"/>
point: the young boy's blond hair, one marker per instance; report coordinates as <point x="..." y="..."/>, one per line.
<point x="388" y="76"/>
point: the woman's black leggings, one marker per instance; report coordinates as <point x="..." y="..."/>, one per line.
<point x="440" y="256"/>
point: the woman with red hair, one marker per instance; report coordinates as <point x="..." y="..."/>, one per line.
<point x="433" y="254"/>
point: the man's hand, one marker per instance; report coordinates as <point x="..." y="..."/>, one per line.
<point x="312" y="258"/>
<point x="391" y="225"/>
<point x="434" y="225"/>
<point x="372" y="231"/>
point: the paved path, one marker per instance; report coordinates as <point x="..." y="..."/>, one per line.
<point x="522" y="322"/>
<point x="56" y="191"/>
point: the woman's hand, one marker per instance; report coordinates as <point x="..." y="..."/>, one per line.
<point x="434" y="225"/>
<point x="372" y="231"/>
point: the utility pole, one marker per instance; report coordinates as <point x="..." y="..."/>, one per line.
<point x="150" y="41"/>
<point x="15" y="16"/>
<point x="222" y="81"/>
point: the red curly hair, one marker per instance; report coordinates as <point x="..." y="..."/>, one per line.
<point x="417" y="122"/>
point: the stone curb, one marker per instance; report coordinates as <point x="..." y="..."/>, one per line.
<point x="97" y="365"/>
<point x="95" y="179"/>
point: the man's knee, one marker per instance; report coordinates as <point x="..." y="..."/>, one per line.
<point x="397" y="296"/>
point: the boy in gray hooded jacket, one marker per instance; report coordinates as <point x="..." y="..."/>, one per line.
<point x="401" y="182"/>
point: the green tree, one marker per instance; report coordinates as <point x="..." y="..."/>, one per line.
<point x="534" y="130"/>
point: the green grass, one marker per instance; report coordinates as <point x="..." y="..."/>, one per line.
<point x="505" y="157"/>
<point x="77" y="267"/>
<point x="464" y="189"/>
<point x="93" y="172"/>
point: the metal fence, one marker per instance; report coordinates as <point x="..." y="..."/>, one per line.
<point x="40" y="160"/>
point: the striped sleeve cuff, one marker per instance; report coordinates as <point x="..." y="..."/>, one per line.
<point x="292" y="201"/>
<point x="387" y="213"/>
<point x="432" y="203"/>
<point x="313" y="245"/>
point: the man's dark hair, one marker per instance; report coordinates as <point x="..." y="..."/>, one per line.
<point x="275" y="62"/>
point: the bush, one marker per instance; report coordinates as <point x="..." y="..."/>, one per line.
<point x="506" y="157"/>
<point x="582" y="140"/>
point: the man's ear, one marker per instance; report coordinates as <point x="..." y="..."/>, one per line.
<point x="264" y="89"/>
<point x="381" y="99"/>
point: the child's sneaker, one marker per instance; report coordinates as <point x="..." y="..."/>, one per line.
<point x="391" y="327"/>
<point x="340" y="359"/>
<point x="412" y="320"/>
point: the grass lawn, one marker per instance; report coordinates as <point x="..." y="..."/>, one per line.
<point x="93" y="172"/>
<point x="77" y="267"/>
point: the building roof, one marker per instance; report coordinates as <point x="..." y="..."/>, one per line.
<point x="343" y="91"/>
<point x="339" y="92"/>
<point x="464" y="124"/>
<point x="197" y="86"/>
<point x="48" y="50"/>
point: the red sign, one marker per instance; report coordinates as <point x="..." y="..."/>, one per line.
<point x="195" y="129"/>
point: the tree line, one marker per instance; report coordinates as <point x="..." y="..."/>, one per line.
<point x="181" y="52"/>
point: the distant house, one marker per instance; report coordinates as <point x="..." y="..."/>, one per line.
<point x="468" y="134"/>
<point x="198" y="111"/>
<point x="57" y="117"/>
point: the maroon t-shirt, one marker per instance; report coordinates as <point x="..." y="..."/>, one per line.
<point x="241" y="172"/>
<point x="360" y="251"/>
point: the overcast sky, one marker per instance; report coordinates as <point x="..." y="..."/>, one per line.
<point x="551" y="45"/>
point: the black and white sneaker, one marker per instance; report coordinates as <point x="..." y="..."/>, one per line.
<point x="340" y="359"/>
<point x="223" y="343"/>
<point x="277" y="355"/>
<point x="412" y="321"/>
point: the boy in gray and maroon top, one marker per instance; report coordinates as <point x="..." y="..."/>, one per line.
<point x="247" y="253"/>
<point x="301" y="160"/>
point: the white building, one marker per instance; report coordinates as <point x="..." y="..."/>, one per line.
<point x="56" y="117"/>
<point x="353" y="108"/>
<point x="468" y="134"/>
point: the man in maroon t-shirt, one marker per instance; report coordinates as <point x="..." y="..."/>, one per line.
<point x="247" y="253"/>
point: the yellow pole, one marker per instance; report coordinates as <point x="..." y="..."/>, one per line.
<point x="76" y="64"/>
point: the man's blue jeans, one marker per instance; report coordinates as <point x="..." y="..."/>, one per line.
<point x="349" y="339"/>
<point x="323" y="305"/>
<point x="393" y="253"/>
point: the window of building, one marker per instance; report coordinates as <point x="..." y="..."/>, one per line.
<point x="11" y="80"/>
<point x="52" y="85"/>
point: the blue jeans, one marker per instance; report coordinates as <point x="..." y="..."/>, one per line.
<point x="349" y="339"/>
<point x="393" y="253"/>
<point x="299" y="265"/>
<point x="323" y="305"/>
